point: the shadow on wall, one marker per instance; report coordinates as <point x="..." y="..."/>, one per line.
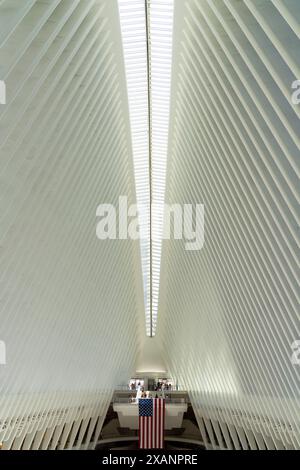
<point x="151" y="358"/>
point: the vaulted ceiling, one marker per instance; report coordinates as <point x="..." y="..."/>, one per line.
<point x="72" y="307"/>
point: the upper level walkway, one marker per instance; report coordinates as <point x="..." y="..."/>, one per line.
<point x="125" y="405"/>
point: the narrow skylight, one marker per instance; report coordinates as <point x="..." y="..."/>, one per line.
<point x="149" y="87"/>
<point x="160" y="27"/>
<point x="133" y="29"/>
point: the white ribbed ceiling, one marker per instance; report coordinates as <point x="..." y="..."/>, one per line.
<point x="71" y="306"/>
<point x="229" y="314"/>
<point x="147" y="27"/>
<point x="66" y="297"/>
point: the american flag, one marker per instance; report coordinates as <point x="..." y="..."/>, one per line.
<point x="151" y="423"/>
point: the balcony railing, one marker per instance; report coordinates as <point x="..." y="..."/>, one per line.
<point x="135" y="401"/>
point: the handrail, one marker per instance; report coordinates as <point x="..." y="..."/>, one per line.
<point x="178" y="401"/>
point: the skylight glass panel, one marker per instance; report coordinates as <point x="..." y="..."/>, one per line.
<point x="147" y="29"/>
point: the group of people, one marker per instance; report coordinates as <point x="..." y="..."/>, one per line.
<point x="138" y="387"/>
<point x="159" y="387"/>
<point x="141" y="393"/>
<point x="134" y="387"/>
<point x="144" y="394"/>
<point x="162" y="386"/>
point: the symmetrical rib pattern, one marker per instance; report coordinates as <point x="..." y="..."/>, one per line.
<point x="229" y="313"/>
<point x="161" y="42"/>
<point x="72" y="306"/>
<point x="147" y="27"/>
<point x="70" y="303"/>
<point x="134" y="40"/>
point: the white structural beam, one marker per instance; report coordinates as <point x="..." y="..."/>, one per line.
<point x="160" y="31"/>
<point x="229" y="314"/>
<point x="134" y="39"/>
<point x="65" y="148"/>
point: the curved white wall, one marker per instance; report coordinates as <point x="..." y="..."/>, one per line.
<point x="229" y="313"/>
<point x="66" y="297"/>
<point x="71" y="307"/>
